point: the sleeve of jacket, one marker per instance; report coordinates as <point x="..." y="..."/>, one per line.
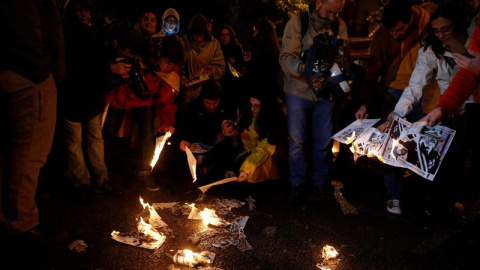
<point x="463" y="84"/>
<point x="421" y="75"/>
<point x="291" y="49"/>
<point x="217" y="63"/>
<point x="259" y="155"/>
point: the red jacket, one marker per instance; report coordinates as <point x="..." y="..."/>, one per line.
<point x="463" y="84"/>
<point x="162" y="94"/>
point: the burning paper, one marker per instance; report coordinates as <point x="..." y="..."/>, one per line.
<point x="159" y="144"/>
<point x="329" y="252"/>
<point x="187" y="257"/>
<point x="147" y="236"/>
<point x="421" y="149"/>
<point x="210" y="218"/>
<point x="223" y="181"/>
<point x="369" y="142"/>
<point x="192" y="163"/>
<point x="355" y="129"/>
<point x="164" y="205"/>
<point x="138" y="240"/>
<point x="154" y="219"/>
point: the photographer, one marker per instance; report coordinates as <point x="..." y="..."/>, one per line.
<point x="302" y="104"/>
<point x="148" y="98"/>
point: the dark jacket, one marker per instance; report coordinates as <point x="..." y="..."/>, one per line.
<point x="82" y="95"/>
<point x="33" y="52"/>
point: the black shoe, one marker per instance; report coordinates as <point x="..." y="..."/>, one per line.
<point x="84" y="193"/>
<point x="108" y="190"/>
<point x="323" y="191"/>
<point x="296" y="194"/>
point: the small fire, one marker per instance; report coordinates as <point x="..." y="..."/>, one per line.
<point x="149" y="231"/>
<point x="209" y="217"/>
<point x="158" y="148"/>
<point x="351" y="138"/>
<point x="329" y="252"/>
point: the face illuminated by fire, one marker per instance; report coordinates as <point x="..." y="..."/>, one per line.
<point x="149" y="23"/>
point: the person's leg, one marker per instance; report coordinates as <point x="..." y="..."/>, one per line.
<point x="322" y="123"/>
<point x="113" y="122"/>
<point x="144" y="118"/>
<point x="75" y="158"/>
<point x="297" y="114"/>
<point x="32" y="109"/>
<point x="95" y="149"/>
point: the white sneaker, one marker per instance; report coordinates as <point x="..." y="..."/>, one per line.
<point x="393" y="206"/>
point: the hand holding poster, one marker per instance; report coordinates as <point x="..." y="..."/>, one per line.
<point x="416" y="147"/>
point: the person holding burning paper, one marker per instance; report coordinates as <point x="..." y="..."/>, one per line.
<point x="200" y="122"/>
<point x="435" y="58"/>
<point x="393" y="53"/>
<point x="262" y="131"/>
<point x="146" y="94"/>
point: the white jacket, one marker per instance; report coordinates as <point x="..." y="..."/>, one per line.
<point x="425" y="68"/>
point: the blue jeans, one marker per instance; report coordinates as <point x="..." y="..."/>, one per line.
<point x="393" y="177"/>
<point x="299" y="112"/>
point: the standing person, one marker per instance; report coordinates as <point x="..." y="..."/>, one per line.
<point x="393" y="54"/>
<point x="31" y="60"/>
<point x="147" y="25"/>
<point x="264" y="68"/>
<point x="306" y="112"/>
<point x="145" y="99"/>
<point x="82" y="101"/>
<point x="234" y="65"/>
<point x="447" y="24"/>
<point x="203" y="57"/>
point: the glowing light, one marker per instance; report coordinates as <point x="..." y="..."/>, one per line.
<point x="158" y="148"/>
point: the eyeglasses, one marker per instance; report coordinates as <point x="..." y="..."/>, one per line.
<point x="444" y="30"/>
<point x="255" y="106"/>
<point x="172" y="21"/>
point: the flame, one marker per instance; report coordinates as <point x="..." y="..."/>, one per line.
<point x="159" y="148"/>
<point x="209" y="217"/>
<point x="329" y="252"/>
<point x="149" y="231"/>
<point x="335" y="147"/>
<point x="188" y="256"/>
<point x="351" y="138"/>
<point x="151" y="210"/>
<point x="194" y="171"/>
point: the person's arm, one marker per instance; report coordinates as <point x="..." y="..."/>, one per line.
<point x="258" y="156"/>
<point x="216" y="67"/>
<point x="291" y="49"/>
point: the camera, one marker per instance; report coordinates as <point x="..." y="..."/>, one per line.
<point x="139" y="86"/>
<point x="327" y="65"/>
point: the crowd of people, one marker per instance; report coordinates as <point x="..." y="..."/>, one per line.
<point x="250" y="111"/>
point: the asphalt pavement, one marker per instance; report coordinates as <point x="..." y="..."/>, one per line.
<point x="282" y="236"/>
